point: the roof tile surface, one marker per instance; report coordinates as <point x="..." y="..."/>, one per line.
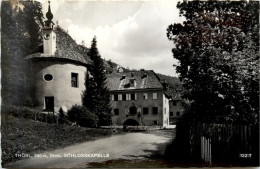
<point x="141" y="80"/>
<point x="67" y="49"/>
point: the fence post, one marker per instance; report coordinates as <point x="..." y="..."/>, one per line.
<point x="210" y="161"/>
<point x="202" y="148"/>
<point x="249" y="139"/>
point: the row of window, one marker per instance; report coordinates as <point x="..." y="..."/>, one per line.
<point x="145" y="111"/>
<point x="175" y="102"/>
<point x="74" y="79"/>
<point x="177" y="113"/>
<point x="132" y="96"/>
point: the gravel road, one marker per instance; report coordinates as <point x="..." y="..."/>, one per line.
<point x="129" y="146"/>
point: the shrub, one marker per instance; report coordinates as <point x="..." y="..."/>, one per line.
<point x="28" y="102"/>
<point x="28" y="113"/>
<point x="14" y="111"/>
<point x="61" y="116"/>
<point x="179" y="150"/>
<point x="82" y="116"/>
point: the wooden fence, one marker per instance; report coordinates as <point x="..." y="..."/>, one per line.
<point x="224" y="143"/>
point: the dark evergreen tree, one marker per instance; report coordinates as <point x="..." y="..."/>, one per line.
<point x="97" y="96"/>
<point x="21" y="34"/>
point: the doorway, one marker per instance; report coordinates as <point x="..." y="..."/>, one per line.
<point x="131" y="122"/>
<point x="132" y="110"/>
<point x="49" y="103"/>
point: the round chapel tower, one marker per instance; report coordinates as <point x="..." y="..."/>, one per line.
<point x="59" y="69"/>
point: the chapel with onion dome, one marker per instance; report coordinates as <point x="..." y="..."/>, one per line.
<point x="59" y="67"/>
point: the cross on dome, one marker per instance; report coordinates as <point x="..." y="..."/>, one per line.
<point x="49" y="15"/>
<point x="48" y="23"/>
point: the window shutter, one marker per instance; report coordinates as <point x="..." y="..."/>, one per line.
<point x="135" y="96"/>
<point x="120" y="97"/>
<point x="145" y="96"/>
<point x="154" y="95"/>
<point x="127" y="97"/>
<point x="112" y="97"/>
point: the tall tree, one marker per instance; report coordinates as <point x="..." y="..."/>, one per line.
<point x="21" y="34"/>
<point x="218" y="50"/>
<point x="96" y="97"/>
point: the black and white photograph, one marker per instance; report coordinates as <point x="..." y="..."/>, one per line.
<point x="129" y="84"/>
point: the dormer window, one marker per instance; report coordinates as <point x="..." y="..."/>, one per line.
<point x="123" y="77"/>
<point x="144" y="75"/>
<point x="132" y="82"/>
<point x="129" y="83"/>
<point x="165" y="84"/>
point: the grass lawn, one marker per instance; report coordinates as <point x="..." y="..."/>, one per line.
<point x="21" y="135"/>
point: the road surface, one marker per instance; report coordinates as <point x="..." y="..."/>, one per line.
<point x="134" y="145"/>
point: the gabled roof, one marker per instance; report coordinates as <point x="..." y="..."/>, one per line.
<point x="133" y="80"/>
<point x="67" y="49"/>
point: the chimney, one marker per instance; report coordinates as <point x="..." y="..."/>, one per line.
<point x="120" y="69"/>
<point x="165" y="84"/>
<point x="144" y="75"/>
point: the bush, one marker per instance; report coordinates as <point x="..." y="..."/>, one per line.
<point x="28" y="102"/>
<point x="78" y="114"/>
<point x="28" y="113"/>
<point x="82" y="116"/>
<point x="61" y="116"/>
<point x="23" y="112"/>
<point x="179" y="151"/>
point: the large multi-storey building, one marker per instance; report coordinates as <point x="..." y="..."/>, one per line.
<point x="138" y="98"/>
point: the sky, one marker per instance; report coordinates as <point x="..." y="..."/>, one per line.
<point x="130" y="33"/>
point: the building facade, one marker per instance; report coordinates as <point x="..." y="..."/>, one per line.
<point x="176" y="110"/>
<point x="59" y="68"/>
<point x="138" y="98"/>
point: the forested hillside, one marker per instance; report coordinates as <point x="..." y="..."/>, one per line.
<point x="21" y="34"/>
<point x="172" y="81"/>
